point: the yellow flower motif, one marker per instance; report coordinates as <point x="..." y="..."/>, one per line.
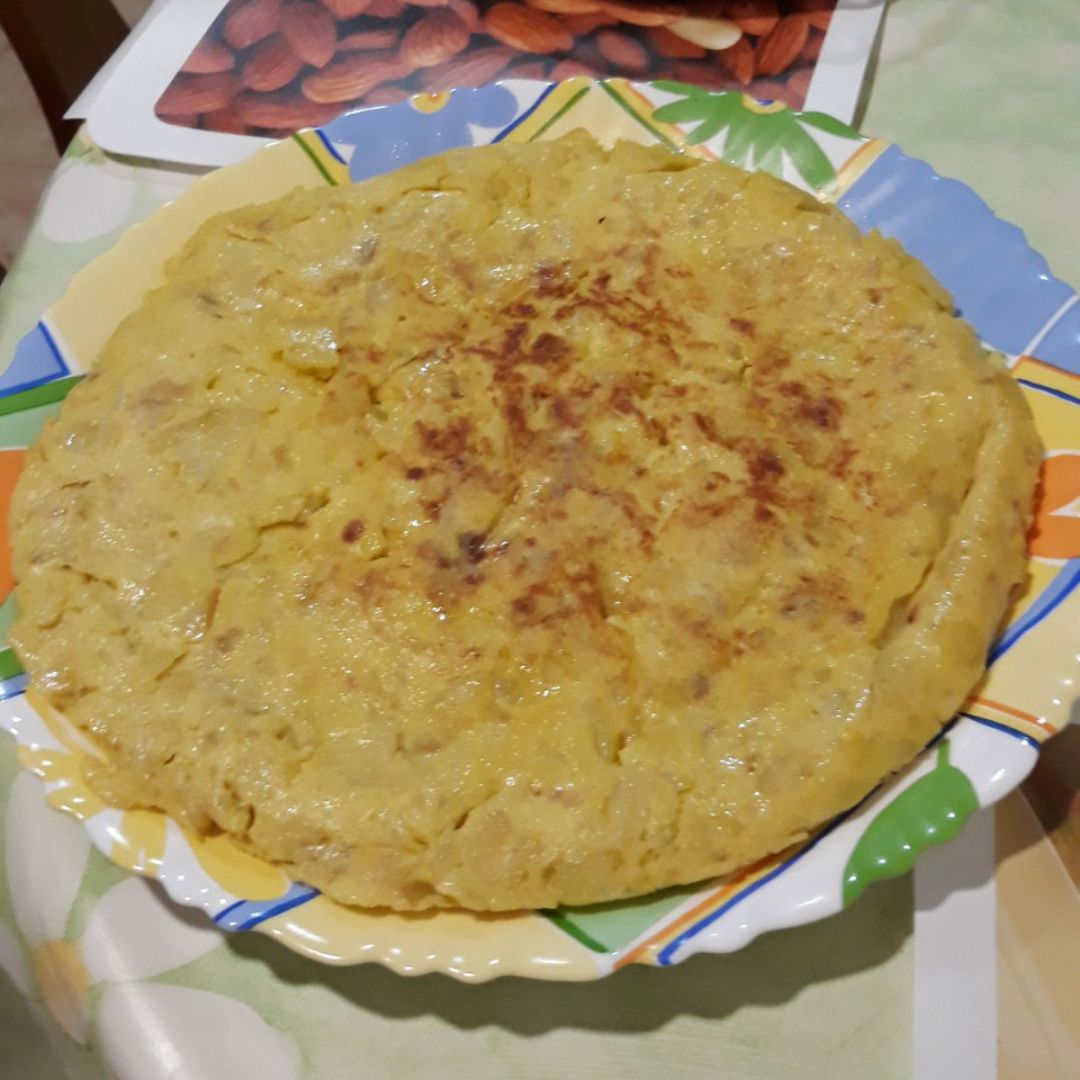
<point x="93" y="985"/>
<point x="64" y="983"/>
<point x="429" y="103"/>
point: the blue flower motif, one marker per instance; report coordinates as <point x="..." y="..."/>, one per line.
<point x="374" y="141"/>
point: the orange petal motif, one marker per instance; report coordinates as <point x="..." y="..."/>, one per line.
<point x="1056" y="535"/>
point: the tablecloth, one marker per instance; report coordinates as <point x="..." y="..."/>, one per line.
<point x="126" y="984"/>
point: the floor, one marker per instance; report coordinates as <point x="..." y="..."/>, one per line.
<point x="27" y="153"/>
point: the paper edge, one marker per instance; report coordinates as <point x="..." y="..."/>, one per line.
<point x="837" y="82"/>
<point x="121" y="118"/>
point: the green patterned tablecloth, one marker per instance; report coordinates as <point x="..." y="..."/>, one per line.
<point x="127" y="985"/>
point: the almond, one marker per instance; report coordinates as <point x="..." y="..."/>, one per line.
<point x="470" y="69"/>
<point x="566" y="7"/>
<point x="527" y="29"/>
<point x="197" y="94"/>
<point x="434" y="39"/>
<point x="385" y="95"/>
<point x="588" y="52"/>
<point x="755" y="17"/>
<point x="708" y="33"/>
<point x="671" y="45"/>
<point x="797" y="85"/>
<point x="467" y="10"/>
<point x="271" y="64"/>
<point x="250" y="22"/>
<point x="528" y="69"/>
<point x="818" y="12"/>
<point x="701" y="74"/>
<point x="385" y="9"/>
<point x="571" y="69"/>
<point x="585" y="24"/>
<point x="282" y="110"/>
<point x="622" y="51"/>
<point x="647" y="14"/>
<point x="311" y="31"/>
<point x="739" y="60"/>
<point x="224" y="120"/>
<point x="353" y="76"/>
<point x="780" y="47"/>
<point x="208" y="58"/>
<point x="368" y="39"/>
<point x="345" y="9"/>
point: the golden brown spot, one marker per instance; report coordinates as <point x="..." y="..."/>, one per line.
<point x="549" y="348"/>
<point x="524" y="605"/>
<point x="562" y="412"/>
<point x="706" y="426"/>
<point x="765" y="467"/>
<point x="553" y="281"/>
<point x="352" y="531"/>
<point x="824" y="412"/>
<point x="472" y="545"/>
<point x="840" y="458"/>
<point x="451" y="441"/>
<point x="699" y="687"/>
<point x="621" y="400"/>
<point x="510" y="348"/>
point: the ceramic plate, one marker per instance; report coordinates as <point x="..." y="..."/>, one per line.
<point x="999" y="284"/>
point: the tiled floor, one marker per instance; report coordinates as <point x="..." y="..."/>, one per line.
<point x="27" y="153"/>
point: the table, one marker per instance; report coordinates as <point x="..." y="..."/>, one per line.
<point x="122" y="981"/>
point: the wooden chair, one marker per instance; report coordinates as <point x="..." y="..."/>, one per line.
<point x="61" y="45"/>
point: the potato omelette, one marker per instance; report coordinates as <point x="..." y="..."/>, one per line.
<point x="534" y="525"/>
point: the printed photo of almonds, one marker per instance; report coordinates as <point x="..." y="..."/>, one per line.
<point x="268" y="67"/>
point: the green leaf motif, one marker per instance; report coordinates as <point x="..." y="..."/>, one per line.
<point x="612" y="926"/>
<point x="714" y="111"/>
<point x="829" y="124"/>
<point x="755" y="139"/>
<point x="929" y="812"/>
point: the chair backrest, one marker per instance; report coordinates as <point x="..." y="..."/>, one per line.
<point x="61" y="44"/>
